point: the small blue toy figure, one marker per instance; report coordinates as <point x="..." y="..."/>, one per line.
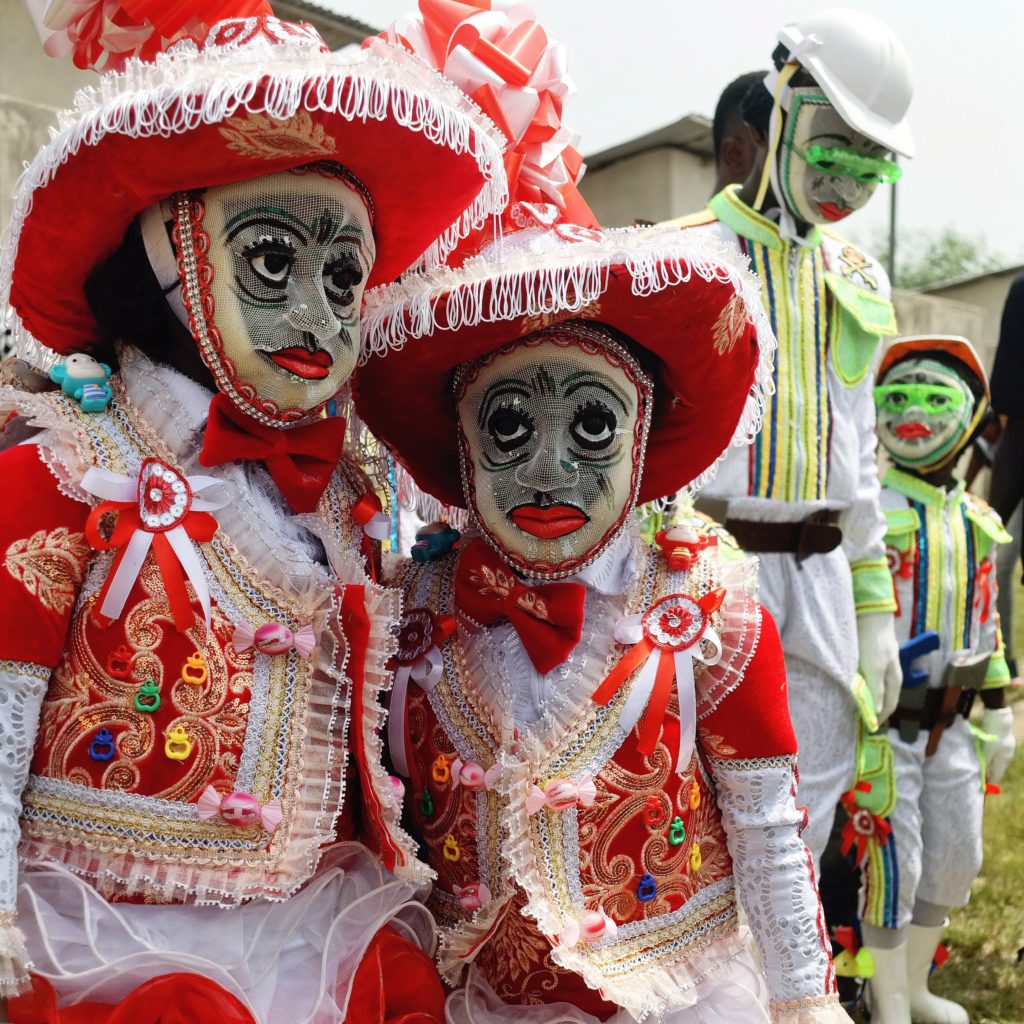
<point x="84" y="379"/>
<point x="434" y="541"/>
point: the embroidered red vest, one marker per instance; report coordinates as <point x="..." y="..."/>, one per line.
<point x="140" y="719"/>
<point x="649" y="850"/>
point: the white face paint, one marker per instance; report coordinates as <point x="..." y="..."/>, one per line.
<point x="810" y="193"/>
<point x="552" y="432"/>
<point x="925" y="411"/>
<point x="290" y="254"/>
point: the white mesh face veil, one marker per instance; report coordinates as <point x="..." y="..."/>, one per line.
<point x="810" y="194"/>
<point x="273" y="271"/>
<point x="552" y="435"/>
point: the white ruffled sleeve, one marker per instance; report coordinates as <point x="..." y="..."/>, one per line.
<point x="776" y="886"/>
<point x="22" y="687"/>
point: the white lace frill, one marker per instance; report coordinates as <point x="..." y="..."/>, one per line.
<point x="291" y="961"/>
<point x="264" y="549"/>
<point x="185" y="88"/>
<point x="738" y="624"/>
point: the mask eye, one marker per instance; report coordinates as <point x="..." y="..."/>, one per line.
<point x="593" y="427"/>
<point x="340" y="277"/>
<point x="271" y="262"/>
<point x="510" y="428"/>
<point x="938" y="402"/>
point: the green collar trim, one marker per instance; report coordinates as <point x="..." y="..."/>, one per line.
<point x="913" y="487"/>
<point x="748" y="223"/>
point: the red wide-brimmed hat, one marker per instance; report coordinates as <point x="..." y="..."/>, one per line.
<point x="692" y="306"/>
<point x="252" y="96"/>
<point x="695" y="309"/>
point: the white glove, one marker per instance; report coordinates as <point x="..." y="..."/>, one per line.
<point x="998" y="723"/>
<point x="878" y="660"/>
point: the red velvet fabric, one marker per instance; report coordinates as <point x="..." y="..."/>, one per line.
<point x="548" y="617"/>
<point x="167" y="999"/>
<point x="43" y="558"/>
<point x="301" y="459"/>
<point x="753" y="721"/>
<point x="395" y="983"/>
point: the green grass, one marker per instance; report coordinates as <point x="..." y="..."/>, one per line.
<point x="982" y="972"/>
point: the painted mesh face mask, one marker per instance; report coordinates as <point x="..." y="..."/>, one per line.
<point x="826" y="169"/>
<point x="925" y="413"/>
<point x="552" y="435"/>
<point x="273" y="271"/>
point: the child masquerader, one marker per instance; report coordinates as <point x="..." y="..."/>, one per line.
<point x="593" y="732"/>
<point x="932" y="393"/>
<point x="191" y="639"/>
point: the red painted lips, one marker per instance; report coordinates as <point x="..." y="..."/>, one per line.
<point x="833" y="212"/>
<point x="548" y="521"/>
<point x="309" y="365"/>
<point x="909" y="430"/>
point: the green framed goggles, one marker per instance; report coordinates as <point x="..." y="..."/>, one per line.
<point x="837" y="161"/>
<point x="931" y="399"/>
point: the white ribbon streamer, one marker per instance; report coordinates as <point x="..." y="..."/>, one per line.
<point x="110" y="486"/>
<point x="425" y="671"/>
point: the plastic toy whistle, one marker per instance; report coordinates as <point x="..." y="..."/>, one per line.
<point x="147" y="697"/>
<point x="194" y="671"/>
<point x="917" y="647"/>
<point x="178" y="745"/>
<point x="102" y="746"/>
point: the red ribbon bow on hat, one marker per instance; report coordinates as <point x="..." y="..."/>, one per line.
<point x="547" y="617"/>
<point x="300" y="459"/>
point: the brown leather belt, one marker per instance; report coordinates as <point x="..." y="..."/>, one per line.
<point x="815" y="535"/>
<point x="936" y="712"/>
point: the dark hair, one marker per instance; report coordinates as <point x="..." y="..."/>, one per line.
<point x="729" y="104"/>
<point x="756" y="104"/>
<point x="127" y="302"/>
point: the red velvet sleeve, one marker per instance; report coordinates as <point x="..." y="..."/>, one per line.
<point x="753" y="721"/>
<point x="44" y="558"/>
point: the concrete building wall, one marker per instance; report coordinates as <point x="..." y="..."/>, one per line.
<point x="988" y="293"/>
<point x="917" y="313"/>
<point x="655" y="184"/>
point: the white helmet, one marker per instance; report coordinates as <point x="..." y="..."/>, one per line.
<point x="863" y="69"/>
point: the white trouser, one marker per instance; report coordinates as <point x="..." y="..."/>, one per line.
<point x="936" y="823"/>
<point x="812" y="604"/>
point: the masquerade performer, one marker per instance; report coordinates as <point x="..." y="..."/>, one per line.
<point x="593" y="732"/>
<point x="932" y="393"/>
<point x="192" y="647"/>
<point x="804" y="497"/>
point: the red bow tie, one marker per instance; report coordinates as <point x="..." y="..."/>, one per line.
<point x="301" y="459"/>
<point x="547" y="617"/>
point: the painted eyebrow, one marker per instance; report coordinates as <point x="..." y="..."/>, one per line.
<point x="497" y="390"/>
<point x="582" y="379"/>
<point x="270" y="216"/>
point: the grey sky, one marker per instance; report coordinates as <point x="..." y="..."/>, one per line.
<point x="640" y="64"/>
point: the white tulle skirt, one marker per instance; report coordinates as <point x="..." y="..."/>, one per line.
<point x="730" y="990"/>
<point x="287" y="962"/>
